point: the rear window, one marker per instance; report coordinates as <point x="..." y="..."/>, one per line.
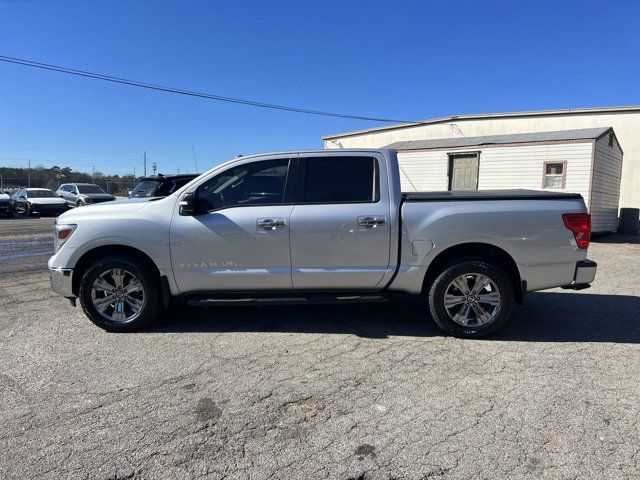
<point x="90" y="189"/>
<point x="340" y="180"/>
<point x="145" y="189"/>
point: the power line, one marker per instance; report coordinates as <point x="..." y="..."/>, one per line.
<point x="208" y="96"/>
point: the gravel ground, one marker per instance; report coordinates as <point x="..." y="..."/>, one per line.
<point x="344" y="392"/>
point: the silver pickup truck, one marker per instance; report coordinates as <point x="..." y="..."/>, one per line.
<point x="321" y="226"/>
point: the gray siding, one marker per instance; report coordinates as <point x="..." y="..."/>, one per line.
<point x="605" y="187"/>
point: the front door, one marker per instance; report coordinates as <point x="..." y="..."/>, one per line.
<point x="464" y="172"/>
<point x="238" y="240"/>
<point x="340" y="231"/>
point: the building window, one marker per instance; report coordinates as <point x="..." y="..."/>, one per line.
<point x="555" y="175"/>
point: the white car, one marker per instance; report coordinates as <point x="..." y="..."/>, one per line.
<point x="31" y="201"/>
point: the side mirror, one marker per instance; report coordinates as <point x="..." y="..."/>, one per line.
<point x="188" y="204"/>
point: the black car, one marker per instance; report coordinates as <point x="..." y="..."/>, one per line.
<point x="6" y="206"/>
<point x="160" y="185"/>
<point x="80" y="194"/>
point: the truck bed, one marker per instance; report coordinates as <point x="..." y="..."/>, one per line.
<point x="484" y="195"/>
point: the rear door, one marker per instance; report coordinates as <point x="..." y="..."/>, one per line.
<point x="340" y="232"/>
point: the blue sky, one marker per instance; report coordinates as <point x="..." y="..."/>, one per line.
<point x="400" y="59"/>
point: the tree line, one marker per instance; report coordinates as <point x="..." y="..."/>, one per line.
<point x="40" y="177"/>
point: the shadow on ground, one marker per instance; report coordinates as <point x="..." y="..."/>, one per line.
<point x="616" y="238"/>
<point x="546" y="317"/>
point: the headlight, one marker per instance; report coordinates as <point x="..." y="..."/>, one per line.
<point x="88" y="199"/>
<point x="63" y="233"/>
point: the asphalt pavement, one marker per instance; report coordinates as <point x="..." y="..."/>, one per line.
<point x="340" y="392"/>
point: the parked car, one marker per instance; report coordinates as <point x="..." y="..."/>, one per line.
<point x="80" y="194"/>
<point x="6" y="206"/>
<point x="160" y="185"/>
<point x="329" y="225"/>
<point x="31" y="201"/>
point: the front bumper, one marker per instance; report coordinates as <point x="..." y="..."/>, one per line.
<point x="58" y="209"/>
<point x="585" y="274"/>
<point x="62" y="281"/>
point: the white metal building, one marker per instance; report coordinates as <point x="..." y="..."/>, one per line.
<point x="585" y="161"/>
<point x="624" y="120"/>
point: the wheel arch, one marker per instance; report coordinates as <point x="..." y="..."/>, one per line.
<point x="477" y="250"/>
<point x="98" y="252"/>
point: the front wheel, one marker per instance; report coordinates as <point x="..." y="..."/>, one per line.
<point x="119" y="293"/>
<point x="471" y="298"/>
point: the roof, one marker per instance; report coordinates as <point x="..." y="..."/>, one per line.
<point x="558" y="136"/>
<point x="33" y="189"/>
<point x="475" y="116"/>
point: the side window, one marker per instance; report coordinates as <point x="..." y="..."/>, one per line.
<point x="257" y="183"/>
<point x="555" y="174"/>
<point x="340" y="180"/>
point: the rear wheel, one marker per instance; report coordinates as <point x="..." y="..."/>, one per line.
<point x="120" y="293"/>
<point x="471" y="298"/>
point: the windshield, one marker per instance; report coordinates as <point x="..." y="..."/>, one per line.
<point x="41" y="194"/>
<point x="90" y="189"/>
<point x="147" y="188"/>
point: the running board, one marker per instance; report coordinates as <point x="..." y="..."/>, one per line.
<point x="307" y="299"/>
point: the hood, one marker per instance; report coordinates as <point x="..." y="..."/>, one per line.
<point x="46" y="201"/>
<point x="4" y="198"/>
<point x="106" y="208"/>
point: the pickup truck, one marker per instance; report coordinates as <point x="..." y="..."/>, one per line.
<point x="321" y="226"/>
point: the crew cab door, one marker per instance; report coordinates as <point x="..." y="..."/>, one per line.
<point x="340" y="225"/>
<point x="237" y="239"/>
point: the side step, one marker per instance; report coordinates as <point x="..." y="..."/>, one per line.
<point x="204" y="300"/>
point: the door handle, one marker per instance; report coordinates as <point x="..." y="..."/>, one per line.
<point x="268" y="224"/>
<point x="371" y="222"/>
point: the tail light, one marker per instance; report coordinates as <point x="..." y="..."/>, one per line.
<point x="580" y="225"/>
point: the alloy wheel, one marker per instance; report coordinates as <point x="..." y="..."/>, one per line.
<point x="472" y="300"/>
<point x="118" y="295"/>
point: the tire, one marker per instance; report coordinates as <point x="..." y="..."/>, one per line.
<point x="147" y="294"/>
<point x="80" y="203"/>
<point x="483" y="316"/>
<point x="27" y="211"/>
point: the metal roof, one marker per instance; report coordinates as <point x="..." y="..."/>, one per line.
<point x="480" y="116"/>
<point x="558" y="136"/>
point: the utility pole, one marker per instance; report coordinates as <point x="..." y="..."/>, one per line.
<point x="1" y="182"/>
<point x="154" y="166"/>
<point x="133" y="182"/>
<point x="145" y="164"/>
<point x="194" y="157"/>
<point x="93" y="174"/>
<point x="29" y="174"/>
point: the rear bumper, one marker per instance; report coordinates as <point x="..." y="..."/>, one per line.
<point x="62" y="281"/>
<point x="585" y="274"/>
